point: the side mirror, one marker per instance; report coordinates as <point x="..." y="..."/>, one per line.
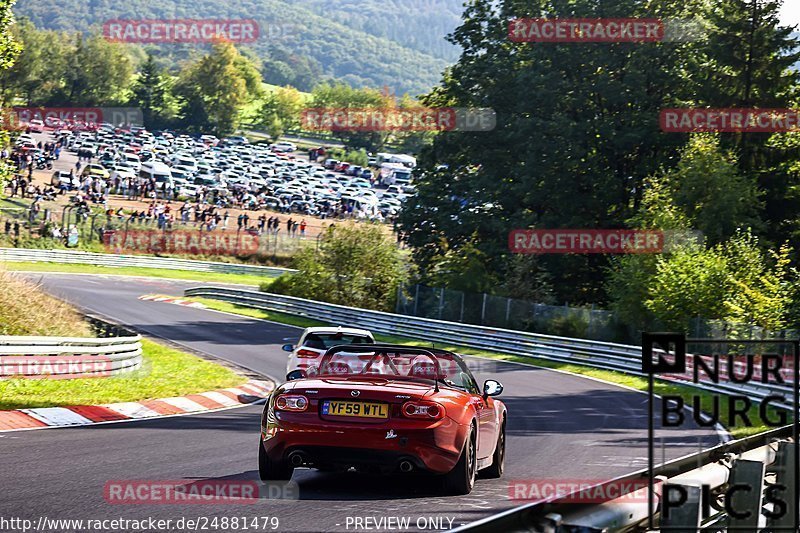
<point x="492" y="388"/>
<point x="296" y="374"/>
<point x="287" y="347"/>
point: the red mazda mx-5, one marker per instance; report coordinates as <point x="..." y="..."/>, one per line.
<point x="385" y="408"/>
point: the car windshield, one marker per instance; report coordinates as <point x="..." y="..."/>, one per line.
<point x="323" y="341"/>
<point x="398" y="365"/>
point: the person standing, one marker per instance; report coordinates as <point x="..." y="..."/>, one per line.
<point x="303" y="228"/>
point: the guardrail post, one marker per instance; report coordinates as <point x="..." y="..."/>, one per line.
<point x="483" y="309"/>
<point x="441" y="301"/>
<point x="508" y="310"/>
<point x="461" y="317"/>
<point x="784" y="487"/>
<point x="745" y="502"/>
<point x="685" y="517"/>
<point x="416" y="299"/>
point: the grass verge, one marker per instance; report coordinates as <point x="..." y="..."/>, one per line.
<point x="166" y="372"/>
<point x="238" y="279"/>
<point x="26" y="310"/>
<point x="661" y="388"/>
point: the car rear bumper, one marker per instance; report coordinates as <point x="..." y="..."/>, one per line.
<point x="383" y="448"/>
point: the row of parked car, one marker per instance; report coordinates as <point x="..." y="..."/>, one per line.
<point x="258" y="175"/>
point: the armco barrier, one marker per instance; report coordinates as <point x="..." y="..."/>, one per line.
<point x="604" y="355"/>
<point x="115" y="260"/>
<point x="747" y="461"/>
<point x="70" y="357"/>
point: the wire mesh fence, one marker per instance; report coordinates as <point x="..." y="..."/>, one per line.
<point x="579" y="322"/>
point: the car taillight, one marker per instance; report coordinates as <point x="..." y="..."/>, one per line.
<point x="307" y="353"/>
<point x="426" y="410"/>
<point x="291" y="402"/>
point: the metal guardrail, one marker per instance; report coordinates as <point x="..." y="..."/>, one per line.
<point x="71" y="357"/>
<point x="113" y="260"/>
<point x="596" y="354"/>
<point x="761" y="462"/>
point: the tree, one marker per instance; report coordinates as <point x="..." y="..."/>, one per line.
<point x="216" y="88"/>
<point x="9" y="51"/>
<point x="151" y="93"/>
<point x="708" y="187"/>
<point x="356" y="265"/>
<point x="28" y="77"/>
<point x="693" y="282"/>
<point x="574" y="156"/>
<point x="762" y="283"/>
<point x="9" y="47"/>
<point x="280" y="110"/>
<point x="342" y="97"/>
<point x="97" y="72"/>
<point x="747" y="60"/>
<point x="462" y="269"/>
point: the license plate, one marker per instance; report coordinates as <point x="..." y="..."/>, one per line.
<point x="359" y="409"/>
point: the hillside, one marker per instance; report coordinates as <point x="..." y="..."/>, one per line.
<point x="397" y="44"/>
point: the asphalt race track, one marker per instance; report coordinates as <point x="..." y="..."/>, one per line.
<point x="560" y="427"/>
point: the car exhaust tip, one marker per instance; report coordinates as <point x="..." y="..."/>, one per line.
<point x="406" y="466"/>
<point x="296" y="459"/>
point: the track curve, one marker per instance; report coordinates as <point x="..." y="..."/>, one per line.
<point x="560" y="426"/>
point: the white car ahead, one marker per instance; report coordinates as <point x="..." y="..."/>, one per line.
<point x="314" y="342"/>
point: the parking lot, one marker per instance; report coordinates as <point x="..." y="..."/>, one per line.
<point x="212" y="180"/>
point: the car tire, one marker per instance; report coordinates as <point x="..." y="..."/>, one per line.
<point x="498" y="458"/>
<point x="269" y="470"/>
<point x="461" y="478"/>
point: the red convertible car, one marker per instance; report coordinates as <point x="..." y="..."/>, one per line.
<point x="385" y="409"/>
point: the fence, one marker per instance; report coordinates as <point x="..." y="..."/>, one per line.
<point x="115" y="351"/>
<point x="604" y="355"/>
<point x="761" y="463"/>
<point x="91" y="227"/>
<point x="583" y="322"/>
<point x="115" y="260"/>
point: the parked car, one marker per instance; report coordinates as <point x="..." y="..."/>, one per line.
<point x="284" y="146"/>
<point x="36" y="126"/>
<point x="62" y="178"/>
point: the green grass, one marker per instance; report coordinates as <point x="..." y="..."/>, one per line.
<point x="166" y="372"/>
<point x="241" y="279"/>
<point x="619" y="378"/>
<point x="15" y="203"/>
<point x="283" y="318"/>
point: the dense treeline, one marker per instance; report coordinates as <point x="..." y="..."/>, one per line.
<point x="369" y="43"/>
<point x="578" y="145"/>
<point x="213" y="92"/>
